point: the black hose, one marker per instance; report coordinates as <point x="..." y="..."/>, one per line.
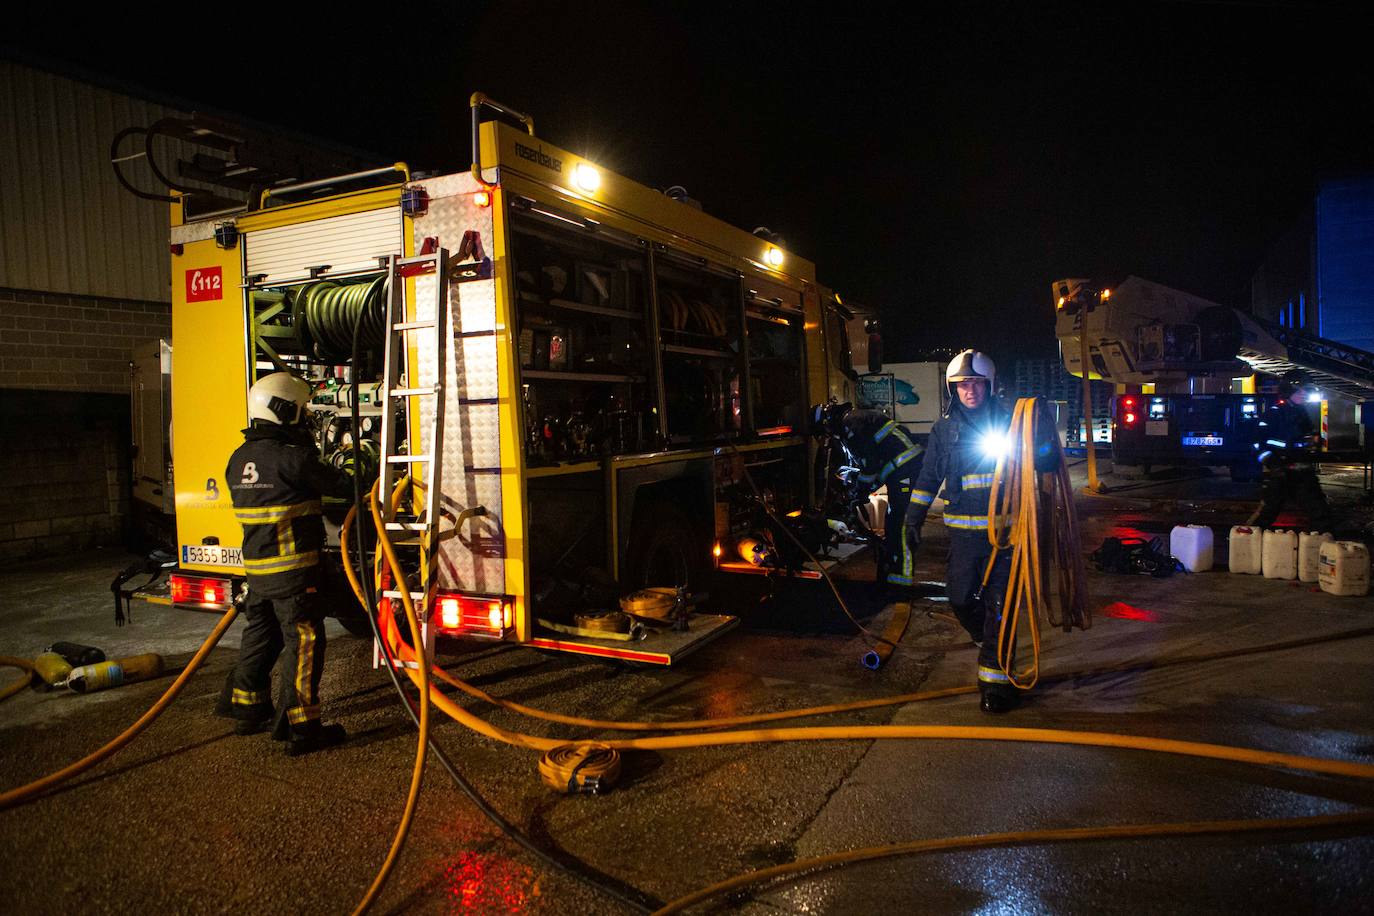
<point x="640" y="902"/>
<point x="341" y="319"/>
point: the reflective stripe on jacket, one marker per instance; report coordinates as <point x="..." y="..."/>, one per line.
<point x="881" y="446"/>
<point x="276" y="480"/>
<point x="955" y="458"/>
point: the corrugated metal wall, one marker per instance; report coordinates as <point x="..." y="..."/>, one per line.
<point x="66" y="224"/>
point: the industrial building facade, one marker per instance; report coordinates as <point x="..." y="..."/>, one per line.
<point x="84" y="278"/>
<point x="1319" y="276"/>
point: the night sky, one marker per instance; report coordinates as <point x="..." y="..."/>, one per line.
<point x="943" y="164"/>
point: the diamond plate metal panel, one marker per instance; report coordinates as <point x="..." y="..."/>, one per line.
<point x="474" y="561"/>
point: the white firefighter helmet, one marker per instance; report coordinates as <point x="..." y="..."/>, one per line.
<point x="970" y="364"/>
<point x="278" y="398"/>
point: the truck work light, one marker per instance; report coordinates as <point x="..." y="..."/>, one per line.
<point x="586" y="178"/>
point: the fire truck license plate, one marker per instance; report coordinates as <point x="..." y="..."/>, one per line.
<point x="211" y="556"/>
<point x="1203" y="440"/>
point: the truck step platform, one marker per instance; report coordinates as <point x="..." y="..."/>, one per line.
<point x="661" y="646"/>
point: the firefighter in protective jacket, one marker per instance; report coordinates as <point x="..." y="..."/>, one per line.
<point x="963" y="450"/>
<point x="1288" y="442"/>
<point x="887" y="457"/>
<point x="276" y="480"/>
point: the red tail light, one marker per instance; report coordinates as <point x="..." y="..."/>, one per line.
<point x="202" y="590"/>
<point x="472" y="613"/>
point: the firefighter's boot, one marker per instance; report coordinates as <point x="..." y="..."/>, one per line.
<point x="997" y="700"/>
<point x="316" y="740"/>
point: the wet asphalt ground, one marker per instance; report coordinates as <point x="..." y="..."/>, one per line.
<point x="192" y="819"/>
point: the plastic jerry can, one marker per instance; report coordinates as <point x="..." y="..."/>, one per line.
<point x="1245" y="555"/>
<point x="1343" y="568"/>
<point x="1309" y="552"/>
<point x="1191" y="545"/>
<point x="1280" y="554"/>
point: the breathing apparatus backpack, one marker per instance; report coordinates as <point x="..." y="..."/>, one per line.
<point x="1135" y="556"/>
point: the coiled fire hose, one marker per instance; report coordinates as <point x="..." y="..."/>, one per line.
<point x="329" y="312"/>
<point x="580" y="768"/>
<point x="1017" y="498"/>
<point x="12" y="661"/>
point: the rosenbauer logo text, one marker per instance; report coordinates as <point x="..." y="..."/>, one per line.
<point x="204" y="284"/>
<point x="539" y="156"/>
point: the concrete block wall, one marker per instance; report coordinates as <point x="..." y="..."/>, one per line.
<point x="64" y="405"/>
<point x="61" y="342"/>
<point x="63" y="472"/>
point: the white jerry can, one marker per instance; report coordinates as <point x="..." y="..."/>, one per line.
<point x="1343" y="568"/>
<point x="1191" y="545"/>
<point x="1280" y="554"/>
<point x="1309" y="553"/>
<point x="1244" y="553"/>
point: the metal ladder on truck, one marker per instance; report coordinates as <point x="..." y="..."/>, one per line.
<point x="416" y="535"/>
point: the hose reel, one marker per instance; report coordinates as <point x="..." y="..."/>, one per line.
<point x="323" y="315"/>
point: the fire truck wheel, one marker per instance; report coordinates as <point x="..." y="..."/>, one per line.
<point x="356" y="625"/>
<point x="666" y="550"/>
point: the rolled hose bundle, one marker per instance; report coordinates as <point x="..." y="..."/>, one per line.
<point x="653" y="603"/>
<point x="574" y="768"/>
<point x="1017" y="497"/>
<point x="324" y="314"/>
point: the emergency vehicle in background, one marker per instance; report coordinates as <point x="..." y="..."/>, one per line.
<point x="627" y="378"/>
<point x="1184" y="370"/>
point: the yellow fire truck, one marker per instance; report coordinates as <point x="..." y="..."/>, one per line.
<point x="626" y="378"/>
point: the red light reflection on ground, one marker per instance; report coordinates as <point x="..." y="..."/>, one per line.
<point x="1123" y="611"/>
<point x="485" y="883"/>
<point x="1125" y="532"/>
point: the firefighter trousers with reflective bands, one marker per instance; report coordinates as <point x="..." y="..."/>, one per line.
<point x="978" y="606"/>
<point x="292" y="628"/>
<point x="898" y="537"/>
